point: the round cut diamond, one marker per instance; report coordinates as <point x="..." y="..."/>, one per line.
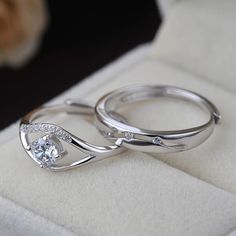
<point x="46" y="150"/>
<point x="157" y="141"/>
<point x="129" y="136"/>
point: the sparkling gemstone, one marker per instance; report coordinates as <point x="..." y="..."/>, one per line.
<point x="46" y="149"/>
<point x="129" y="136"/>
<point x="157" y="140"/>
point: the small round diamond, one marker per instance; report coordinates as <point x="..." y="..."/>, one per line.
<point x="29" y="128"/>
<point x="129" y="136"/>
<point x="36" y="127"/>
<point x="157" y="140"/>
<point x="46" y="150"/>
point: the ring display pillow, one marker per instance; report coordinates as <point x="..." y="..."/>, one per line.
<point x="135" y="193"/>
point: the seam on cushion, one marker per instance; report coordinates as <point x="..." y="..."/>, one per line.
<point x="29" y="211"/>
<point x="72" y="232"/>
<point x="198" y="75"/>
<point x="110" y="71"/>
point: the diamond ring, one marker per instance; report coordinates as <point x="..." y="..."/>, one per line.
<point x="145" y="140"/>
<point x="47" y="150"/>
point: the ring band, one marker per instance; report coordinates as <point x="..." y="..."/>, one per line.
<point x="47" y="150"/>
<point x="122" y="133"/>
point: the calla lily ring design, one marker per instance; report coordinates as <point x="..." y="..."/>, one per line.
<point x="47" y="150"/>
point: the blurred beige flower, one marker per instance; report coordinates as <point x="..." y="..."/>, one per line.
<point x="22" y="23"/>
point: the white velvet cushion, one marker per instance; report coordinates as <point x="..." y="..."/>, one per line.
<point x="199" y="36"/>
<point x="136" y="193"/>
<point x="133" y="193"/>
<point x="165" y="6"/>
<point x="15" y="220"/>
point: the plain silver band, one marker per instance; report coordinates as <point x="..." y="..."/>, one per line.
<point x="94" y="152"/>
<point x="145" y="140"/>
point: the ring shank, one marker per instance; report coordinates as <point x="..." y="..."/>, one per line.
<point x="142" y="138"/>
<point x="135" y="94"/>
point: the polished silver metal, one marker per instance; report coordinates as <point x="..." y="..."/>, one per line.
<point x="56" y="133"/>
<point x="123" y="133"/>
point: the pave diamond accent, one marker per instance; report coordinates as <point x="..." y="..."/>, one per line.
<point x="157" y="141"/>
<point x="46" y="149"/>
<point x="48" y="129"/>
<point x="106" y="134"/>
<point x="129" y="136"/>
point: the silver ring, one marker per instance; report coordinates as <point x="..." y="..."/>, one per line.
<point x="47" y="150"/>
<point x="122" y="133"/>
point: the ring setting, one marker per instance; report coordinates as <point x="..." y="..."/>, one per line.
<point x="47" y="150"/>
<point x="154" y="141"/>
